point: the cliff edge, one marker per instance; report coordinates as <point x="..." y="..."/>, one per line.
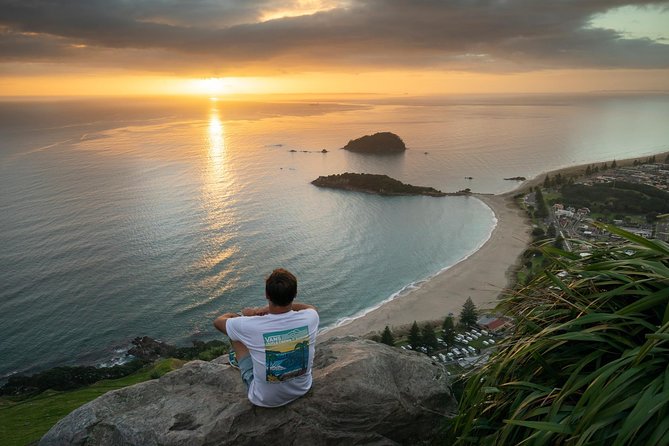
<point x="363" y="393"/>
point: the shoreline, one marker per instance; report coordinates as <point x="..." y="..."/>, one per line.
<point x="483" y="275"/>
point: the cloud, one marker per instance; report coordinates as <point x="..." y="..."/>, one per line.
<point x="478" y="35"/>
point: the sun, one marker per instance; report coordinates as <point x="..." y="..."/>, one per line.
<point x="212" y="86"/>
<point x="220" y="86"/>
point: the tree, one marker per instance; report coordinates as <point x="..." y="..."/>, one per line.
<point x="449" y="331"/>
<point x="542" y="209"/>
<point x="588" y="170"/>
<point x="605" y="166"/>
<point x="666" y="160"/>
<point x="614" y="164"/>
<point x="387" y="337"/>
<point x="414" y="336"/>
<point x="547" y="181"/>
<point x="469" y="314"/>
<point x="429" y="339"/>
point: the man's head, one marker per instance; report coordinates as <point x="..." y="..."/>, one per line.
<point x="281" y="287"/>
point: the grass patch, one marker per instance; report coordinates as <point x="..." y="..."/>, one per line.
<point x="24" y="421"/>
<point x="552" y="197"/>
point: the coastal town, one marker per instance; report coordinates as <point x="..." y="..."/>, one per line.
<point x="634" y="198"/>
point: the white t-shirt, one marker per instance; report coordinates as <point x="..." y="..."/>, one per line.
<point x="282" y="351"/>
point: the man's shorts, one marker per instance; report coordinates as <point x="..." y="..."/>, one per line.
<point x="246" y="370"/>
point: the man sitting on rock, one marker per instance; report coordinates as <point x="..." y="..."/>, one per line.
<point x="274" y="345"/>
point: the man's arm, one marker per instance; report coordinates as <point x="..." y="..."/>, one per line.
<point x="221" y="321"/>
<point x="297" y="306"/>
<point x="256" y="311"/>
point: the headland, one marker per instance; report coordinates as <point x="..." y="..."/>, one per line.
<point x="375" y="184"/>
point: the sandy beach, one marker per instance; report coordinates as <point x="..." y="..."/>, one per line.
<point x="482" y="276"/>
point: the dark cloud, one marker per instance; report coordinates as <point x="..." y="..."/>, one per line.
<point x="22" y="47"/>
<point x="491" y="35"/>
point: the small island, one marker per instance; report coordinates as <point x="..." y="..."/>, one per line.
<point x="375" y="184"/>
<point x="379" y="143"/>
<point x="516" y="179"/>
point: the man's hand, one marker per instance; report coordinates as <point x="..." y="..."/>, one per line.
<point x="256" y="311"/>
<point x="299" y="306"/>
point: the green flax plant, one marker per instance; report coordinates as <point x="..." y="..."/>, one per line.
<point x="587" y="362"/>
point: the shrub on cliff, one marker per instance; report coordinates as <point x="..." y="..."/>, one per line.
<point x="205" y="351"/>
<point x="587" y="361"/>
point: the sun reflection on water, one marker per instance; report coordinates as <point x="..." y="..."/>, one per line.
<point x="215" y="269"/>
<point x="216" y="140"/>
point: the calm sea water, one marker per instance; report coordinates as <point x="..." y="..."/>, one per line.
<point x="150" y="217"/>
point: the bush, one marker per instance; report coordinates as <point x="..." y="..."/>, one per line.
<point x="587" y="361"/>
<point x="213" y="353"/>
<point x="538" y="232"/>
<point x="198" y="348"/>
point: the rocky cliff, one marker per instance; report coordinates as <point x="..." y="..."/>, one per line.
<point x="363" y="393"/>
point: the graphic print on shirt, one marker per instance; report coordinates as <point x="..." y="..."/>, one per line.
<point x="286" y="353"/>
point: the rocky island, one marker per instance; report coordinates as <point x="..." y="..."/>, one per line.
<point x="379" y="143"/>
<point x="374" y="184"/>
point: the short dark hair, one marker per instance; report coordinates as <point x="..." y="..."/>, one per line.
<point x="281" y="287"/>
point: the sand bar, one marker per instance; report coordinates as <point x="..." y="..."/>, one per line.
<point x="482" y="276"/>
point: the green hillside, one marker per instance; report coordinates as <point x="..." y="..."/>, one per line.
<point x="24" y="421"/>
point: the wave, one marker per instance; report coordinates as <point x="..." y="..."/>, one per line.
<point x="120" y="356"/>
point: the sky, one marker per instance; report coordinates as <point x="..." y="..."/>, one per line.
<point x="394" y="47"/>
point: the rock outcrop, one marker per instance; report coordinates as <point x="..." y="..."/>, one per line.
<point x="150" y="349"/>
<point x="363" y="393"/>
<point x="378" y="143"/>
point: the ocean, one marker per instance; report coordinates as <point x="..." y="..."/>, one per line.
<point x="128" y="217"/>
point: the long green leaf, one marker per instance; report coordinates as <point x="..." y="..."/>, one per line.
<point x="542" y="425"/>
